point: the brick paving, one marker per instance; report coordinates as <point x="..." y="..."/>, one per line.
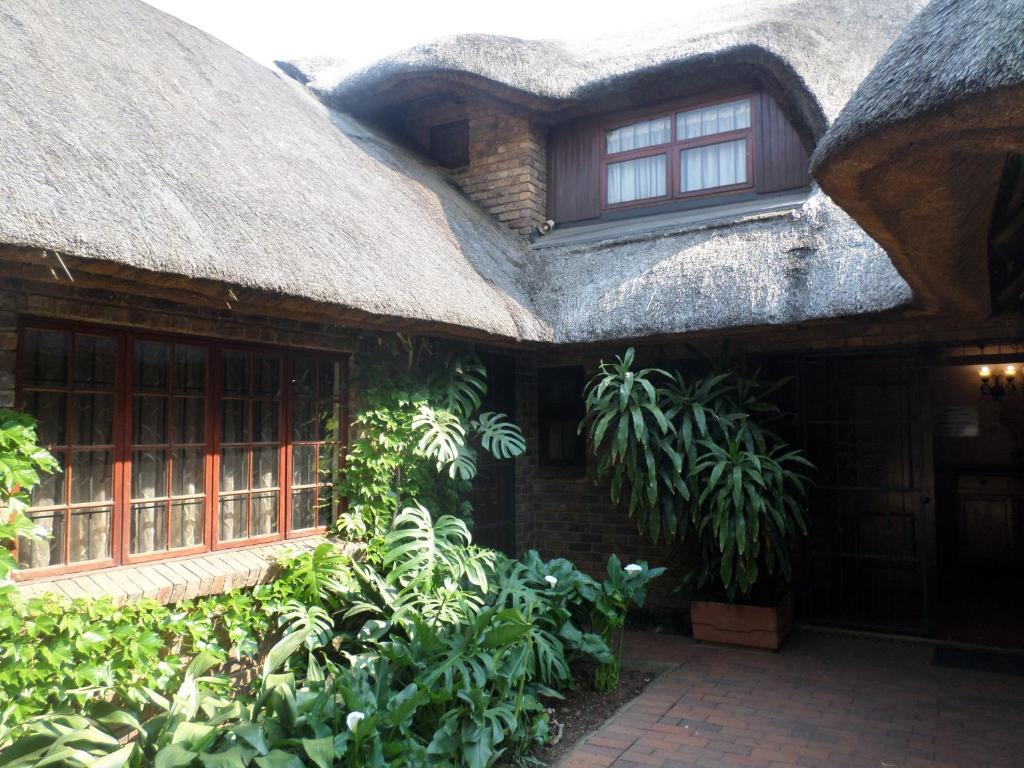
<point x="824" y="701"/>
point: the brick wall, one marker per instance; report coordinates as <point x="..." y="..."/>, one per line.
<point x="507" y="168"/>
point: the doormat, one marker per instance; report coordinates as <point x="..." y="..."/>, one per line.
<point x="978" y="660"/>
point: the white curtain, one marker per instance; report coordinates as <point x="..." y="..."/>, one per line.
<point x="636" y="179"/>
<point x="710" y="120"/>
<point x="716" y="165"/>
<point x="90" y="534"/>
<point x="639" y="135"/>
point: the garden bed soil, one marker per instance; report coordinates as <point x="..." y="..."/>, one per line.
<point x="584" y="710"/>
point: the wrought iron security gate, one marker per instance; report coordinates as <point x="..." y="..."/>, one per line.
<point x="864" y="423"/>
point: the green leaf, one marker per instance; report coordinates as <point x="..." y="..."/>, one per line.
<point x="277" y="758"/>
<point x="320" y="751"/>
<point x="174" y="756"/>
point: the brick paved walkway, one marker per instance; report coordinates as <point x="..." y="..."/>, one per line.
<point x="825" y="701"/>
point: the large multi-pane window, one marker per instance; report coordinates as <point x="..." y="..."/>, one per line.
<point x="680" y="153"/>
<point x="174" y="446"/>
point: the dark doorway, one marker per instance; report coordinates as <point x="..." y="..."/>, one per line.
<point x="494" y="495"/>
<point x="979" y="454"/>
<point x="864" y="424"/>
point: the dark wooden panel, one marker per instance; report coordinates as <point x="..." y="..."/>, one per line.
<point x="574" y="164"/>
<point x="781" y="159"/>
<point x="493" y="495"/>
<point x="449" y="144"/>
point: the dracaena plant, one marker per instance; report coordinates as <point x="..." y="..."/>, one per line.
<point x="693" y="459"/>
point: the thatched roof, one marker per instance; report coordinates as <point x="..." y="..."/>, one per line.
<point x="813" y="52"/>
<point x="130" y="136"/>
<point x="917" y="155"/>
<point x="777" y="268"/>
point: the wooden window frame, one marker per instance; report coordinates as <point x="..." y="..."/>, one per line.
<point x="674" y="148"/>
<point x="120" y="534"/>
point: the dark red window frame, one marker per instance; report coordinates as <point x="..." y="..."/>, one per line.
<point x="120" y="534"/>
<point x="673" y="149"/>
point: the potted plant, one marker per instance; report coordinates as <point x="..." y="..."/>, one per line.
<point x="693" y="460"/>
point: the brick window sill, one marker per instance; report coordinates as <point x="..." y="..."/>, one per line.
<point x="169" y="581"/>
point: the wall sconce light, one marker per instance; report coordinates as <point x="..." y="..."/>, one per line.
<point x="997" y="385"/>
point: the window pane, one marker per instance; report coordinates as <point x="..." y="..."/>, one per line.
<point x="305" y="420"/>
<point x="264" y="467"/>
<point x="304" y="378"/>
<point x="233" y="518"/>
<point x="186" y="523"/>
<point x="264" y="514"/>
<point x="636" y="179"/>
<point x="302" y="509"/>
<point x="49" y="408"/>
<point x="94" y="419"/>
<point x="721" y="118"/>
<point x="46" y="358"/>
<point x="639" y="135"/>
<point x="330" y="418"/>
<point x="330" y="378"/>
<point x="189" y="419"/>
<point x="149" y="527"/>
<point x="91" y="476"/>
<point x="49" y="491"/>
<point x="267" y="377"/>
<point x="152" y="361"/>
<point x="149" y="474"/>
<point x="90" y="534"/>
<point x="188" y="471"/>
<point x="49" y="551"/>
<point x="235" y="373"/>
<point x="95" y="361"/>
<point x="303" y="464"/>
<point x="717" y="165"/>
<point x="234" y="421"/>
<point x="150" y="420"/>
<point x="234" y="469"/>
<point x="189" y="369"/>
<point x="327" y="506"/>
<point x="329" y="458"/>
<point x="264" y="421"/>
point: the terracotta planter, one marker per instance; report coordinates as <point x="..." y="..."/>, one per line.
<point x="752" y="626"/>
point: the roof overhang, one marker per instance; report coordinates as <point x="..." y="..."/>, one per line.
<point x="924" y="189"/>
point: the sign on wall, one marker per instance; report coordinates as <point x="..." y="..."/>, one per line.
<point x="957" y="421"/>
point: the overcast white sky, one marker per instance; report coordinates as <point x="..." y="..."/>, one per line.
<point x="363" y="30"/>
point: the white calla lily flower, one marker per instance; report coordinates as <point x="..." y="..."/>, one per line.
<point x="353" y="720"/>
<point x="551" y="580"/>
<point x="633" y="568"/>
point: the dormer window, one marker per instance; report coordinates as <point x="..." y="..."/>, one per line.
<point x="700" y="150"/>
<point x="731" y="146"/>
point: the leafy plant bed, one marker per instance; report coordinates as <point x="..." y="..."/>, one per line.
<point x="584" y="710"/>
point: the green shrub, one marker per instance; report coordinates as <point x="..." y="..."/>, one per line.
<point x="441" y="655"/>
<point x="693" y="459"/>
<point x="21" y="461"/>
